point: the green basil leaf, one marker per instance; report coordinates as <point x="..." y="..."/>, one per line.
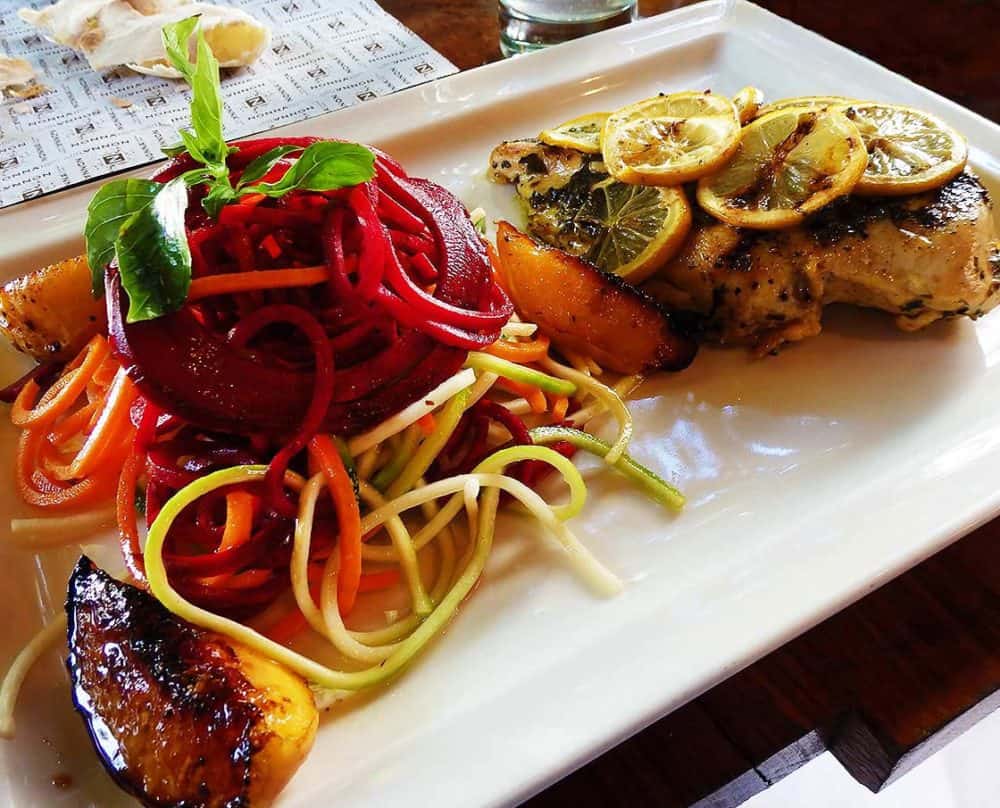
<point x="206" y="104"/>
<point x="192" y="145"/>
<point x="154" y="258"/>
<point x="198" y="176"/>
<point x="176" y="37"/>
<point x="111" y="206"/>
<point x="323" y="166"/>
<point x="258" y="167"/>
<point x="175" y="150"/>
<point x="219" y="194"/>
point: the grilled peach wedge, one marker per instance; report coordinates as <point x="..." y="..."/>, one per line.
<point x="180" y="716"/>
<point x="588" y="311"/>
<point x="50" y="312"/>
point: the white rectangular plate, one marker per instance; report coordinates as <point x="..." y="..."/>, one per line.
<point x="813" y="477"/>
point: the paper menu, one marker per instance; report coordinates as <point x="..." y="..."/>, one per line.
<point x="325" y="55"/>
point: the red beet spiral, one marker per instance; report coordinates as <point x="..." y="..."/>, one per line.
<point x="410" y="291"/>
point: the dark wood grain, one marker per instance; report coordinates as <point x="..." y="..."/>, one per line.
<point x="467" y="33"/>
<point x="674" y="761"/>
<point x="887" y="682"/>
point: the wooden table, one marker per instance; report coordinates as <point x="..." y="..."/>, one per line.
<point x="888" y="681"/>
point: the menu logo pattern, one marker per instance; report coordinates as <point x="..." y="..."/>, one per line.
<point x="325" y="55"/>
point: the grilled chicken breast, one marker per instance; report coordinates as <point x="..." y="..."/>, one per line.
<point x="922" y="258"/>
<point x="555" y="185"/>
<point x="180" y="716"/>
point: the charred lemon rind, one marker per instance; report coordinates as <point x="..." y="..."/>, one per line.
<point x="748" y="102"/>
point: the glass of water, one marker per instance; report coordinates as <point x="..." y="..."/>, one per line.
<point x="527" y="25"/>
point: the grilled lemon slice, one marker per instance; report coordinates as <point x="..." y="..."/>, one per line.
<point x="670" y="139"/>
<point x="748" y="102"/>
<point x="582" y="134"/>
<point x="909" y="151"/>
<point x="789" y="164"/>
<point x="641" y="227"/>
<point x="807" y="102"/>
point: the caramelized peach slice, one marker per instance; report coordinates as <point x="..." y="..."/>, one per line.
<point x="178" y="715"/>
<point x="588" y="311"/>
<point x="50" y="312"/>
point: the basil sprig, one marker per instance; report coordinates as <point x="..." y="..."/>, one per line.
<point x="318" y="168"/>
<point x="322" y="166"/>
<point x="140" y="223"/>
<point x="258" y="167"/>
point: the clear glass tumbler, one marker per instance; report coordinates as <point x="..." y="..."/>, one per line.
<point x="527" y="25"/>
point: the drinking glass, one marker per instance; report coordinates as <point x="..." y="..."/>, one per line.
<point x="527" y="25"/>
